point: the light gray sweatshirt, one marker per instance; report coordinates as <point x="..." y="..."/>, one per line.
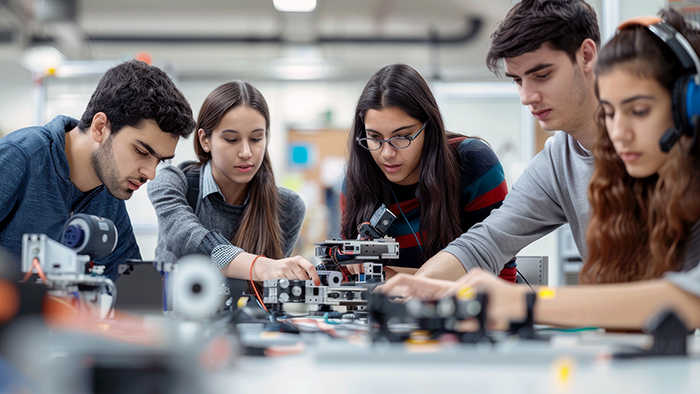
<point x="181" y="231"/>
<point x="552" y="190"/>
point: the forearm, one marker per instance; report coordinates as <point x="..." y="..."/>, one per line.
<point x="620" y="306"/>
<point x="265" y="268"/>
<point x="442" y="266"/>
<point x="239" y="267"/>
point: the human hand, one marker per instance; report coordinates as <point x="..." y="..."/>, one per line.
<point x="409" y="286"/>
<point x="295" y="267"/>
<point x="506" y="300"/>
<point x="355" y="269"/>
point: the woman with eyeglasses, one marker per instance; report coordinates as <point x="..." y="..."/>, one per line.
<point x="438" y="184"/>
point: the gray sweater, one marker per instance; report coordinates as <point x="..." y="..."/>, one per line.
<point x="209" y="231"/>
<point x="552" y="190"/>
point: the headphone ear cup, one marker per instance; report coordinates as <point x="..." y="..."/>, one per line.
<point x="678" y="104"/>
<point x="685" y="102"/>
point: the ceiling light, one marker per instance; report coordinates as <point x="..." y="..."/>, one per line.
<point x="307" y="69"/>
<point x="42" y="58"/>
<point x="295" y="5"/>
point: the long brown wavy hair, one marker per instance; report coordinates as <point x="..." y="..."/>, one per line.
<point x="259" y="231"/>
<point x="639" y="227"/>
<point x="400" y="86"/>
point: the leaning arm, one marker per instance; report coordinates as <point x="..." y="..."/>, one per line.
<point x="530" y="211"/>
<point x="619" y="306"/>
<point x="443" y="265"/>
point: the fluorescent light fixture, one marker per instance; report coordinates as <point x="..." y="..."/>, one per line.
<point x="42" y="58"/>
<point x="301" y="69"/>
<point x="295" y="5"/>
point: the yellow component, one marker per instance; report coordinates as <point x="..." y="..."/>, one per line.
<point x="563" y="371"/>
<point x="51" y="71"/>
<point x="242" y="301"/>
<point x="420" y="337"/>
<point x="546" y="293"/>
<point x="466" y="293"/>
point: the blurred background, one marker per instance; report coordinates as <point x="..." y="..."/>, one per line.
<point x="309" y="58"/>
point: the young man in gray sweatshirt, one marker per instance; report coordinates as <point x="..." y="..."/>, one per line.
<point x="548" y="48"/>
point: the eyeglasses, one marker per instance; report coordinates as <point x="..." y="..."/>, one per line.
<point x="398" y="142"/>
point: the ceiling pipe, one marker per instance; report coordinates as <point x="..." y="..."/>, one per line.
<point x="473" y="27"/>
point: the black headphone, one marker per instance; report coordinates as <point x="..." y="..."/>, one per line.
<point x="685" y="95"/>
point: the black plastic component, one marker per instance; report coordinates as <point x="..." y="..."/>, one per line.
<point x="378" y="225"/>
<point x="670" y="335"/>
<point x="525" y="329"/>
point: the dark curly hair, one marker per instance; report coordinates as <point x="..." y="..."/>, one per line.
<point x="529" y="24"/>
<point x="132" y="92"/>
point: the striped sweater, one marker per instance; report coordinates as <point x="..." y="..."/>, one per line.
<point x="483" y="189"/>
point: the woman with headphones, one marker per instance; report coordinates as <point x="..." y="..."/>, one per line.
<point x="644" y="234"/>
<point x="437" y="184"/>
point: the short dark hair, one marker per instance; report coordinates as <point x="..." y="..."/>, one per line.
<point x="529" y="24"/>
<point x="132" y="92"/>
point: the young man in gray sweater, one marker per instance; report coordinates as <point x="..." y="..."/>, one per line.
<point x="548" y="48"/>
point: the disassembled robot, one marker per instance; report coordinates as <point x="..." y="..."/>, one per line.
<point x="372" y="249"/>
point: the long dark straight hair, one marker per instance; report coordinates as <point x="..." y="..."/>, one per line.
<point x="259" y="231"/>
<point x="639" y="228"/>
<point x="400" y="86"/>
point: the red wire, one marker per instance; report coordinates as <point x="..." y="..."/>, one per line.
<point x="252" y="282"/>
<point x="340" y="267"/>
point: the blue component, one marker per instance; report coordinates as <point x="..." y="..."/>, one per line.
<point x="73" y="236"/>
<point x="300" y="155"/>
<point x="692" y="102"/>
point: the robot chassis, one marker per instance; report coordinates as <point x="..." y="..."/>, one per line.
<point x="372" y="250"/>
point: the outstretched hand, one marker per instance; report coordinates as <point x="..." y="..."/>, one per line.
<point x="295" y="267"/>
<point x="409" y="286"/>
<point x="506" y="300"/>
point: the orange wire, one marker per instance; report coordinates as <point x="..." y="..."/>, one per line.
<point x="35" y="264"/>
<point x="253" y="282"/>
